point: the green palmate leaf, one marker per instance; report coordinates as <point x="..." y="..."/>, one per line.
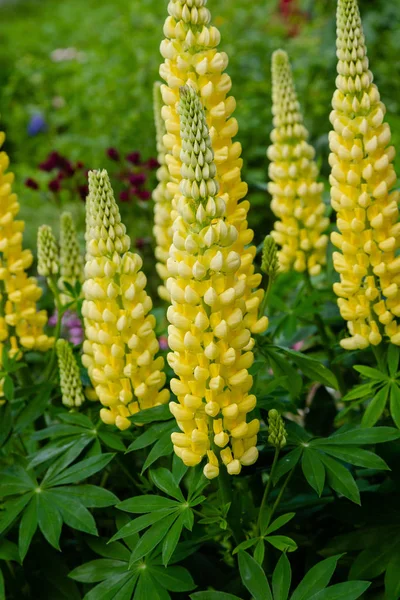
<point x="312" y="368"/>
<point x="287" y="463"/>
<point x="342" y="591"/>
<point x="356" y="456"/>
<point x="51" y="451"/>
<point x="82" y="470"/>
<point x="146" y="503"/>
<point x="174" y="579"/>
<point x="282" y="543"/>
<point x="91" y="496"/>
<point x="8" y="388"/>
<point x="259" y="551"/>
<point x="147" y="588"/>
<point x="253" y="577"/>
<point x="151" y="538"/>
<point x="73" y="512"/>
<point x="313" y="469"/>
<point x="165" y="482"/>
<point x="141" y="523"/>
<point x="360" y="437"/>
<point x="281" y="579"/>
<point x="395" y="403"/>
<point x="12" y="508"/>
<point x="34" y="409"/>
<point x="112" y="440"/>
<point x="279" y="522"/>
<point x="340" y="479"/>
<point x="27" y="528"/>
<point x="392" y="579"/>
<point x="373" y="561"/>
<point x="213" y="596"/>
<point x="49" y="519"/>
<point x="6" y="422"/>
<point x="393" y="356"/>
<point x="179" y="469"/>
<point x="115" y="587"/>
<point x="282" y="368"/>
<point x="151" y="435"/>
<point x="9" y="551"/>
<point x="171" y="540"/>
<point x="375" y="407"/>
<point x="16" y="480"/>
<point x="245" y="545"/>
<point x="150" y="415"/>
<point x="114" y="550"/>
<point x="371" y="373"/>
<point x="161" y="448"/>
<point x="359" y="391"/>
<point x="76" y="419"/>
<point x="98" y="570"/>
<point x="316" y="579"/>
<point x="72" y="452"/>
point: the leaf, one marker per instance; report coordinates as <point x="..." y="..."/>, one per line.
<point x="245" y="545"/>
<point x="82" y="470"/>
<point x="111" y="440"/>
<point x="91" y="496"/>
<point x="108" y="589"/>
<point x="76" y="419"/>
<point x="281" y="579"/>
<point x="2" y="587"/>
<point x="316" y="579"/>
<point x="374" y="560"/>
<point x="15" y="480"/>
<point x="360" y="437"/>
<point x="259" y="551"/>
<point x="98" y="570"/>
<point x="282" y="368"/>
<point x="395" y="403"/>
<point x="340" y="479"/>
<point x="342" y="591"/>
<point x="313" y="369"/>
<point x="9" y="551"/>
<point x="49" y="519"/>
<point x="171" y="540"/>
<point x="59" y="465"/>
<point x="392" y="579"/>
<point x="27" y="528"/>
<point x="287" y="463"/>
<point x="179" y="469"/>
<point x="371" y="373"/>
<point x="150" y="436"/>
<point x="33" y="409"/>
<point x="174" y="579"/>
<point x="6" y="422"/>
<point x="146" y="504"/>
<point x="164" y="480"/>
<point x="253" y="577"/>
<point x="109" y="550"/>
<point x="280" y="522"/>
<point x="73" y="512"/>
<point x="393" y="356"/>
<point x="150" y="415"/>
<point x="141" y="523"/>
<point x="213" y="596"/>
<point x="359" y="391"/>
<point x="282" y="543"/>
<point x="12" y="510"/>
<point x="375" y="408"/>
<point x="151" y="538"/>
<point x="161" y="448"/>
<point x="357" y="456"/>
<point x="314" y="470"/>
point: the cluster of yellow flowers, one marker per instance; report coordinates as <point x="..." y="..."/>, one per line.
<point x="212" y="317"/>
<point x="21" y="324"/>
<point x="296" y="194"/>
<point x="362" y="179"/>
<point x="120" y="345"/>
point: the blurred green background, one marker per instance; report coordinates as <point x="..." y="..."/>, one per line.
<point x="76" y="76"/>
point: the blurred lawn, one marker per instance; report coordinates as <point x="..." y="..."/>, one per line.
<point x="103" y="96"/>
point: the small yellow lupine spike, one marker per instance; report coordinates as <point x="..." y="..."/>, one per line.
<point x="70" y="380"/>
<point x="296" y="195"/>
<point x="162" y="197"/>
<point x="211" y="318"/>
<point x="21" y="324"/>
<point x="71" y="262"/>
<point x="120" y="345"/>
<point x="362" y="180"/>
<point x="48" y="254"/>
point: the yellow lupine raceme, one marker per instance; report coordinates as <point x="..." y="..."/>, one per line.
<point x="296" y="195"/>
<point x="120" y="347"/>
<point x="212" y="317"/>
<point x="362" y="181"/>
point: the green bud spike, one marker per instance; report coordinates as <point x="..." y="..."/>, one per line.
<point x="71" y="262"/>
<point x="269" y="263"/>
<point x="48" y="258"/>
<point x="70" y="381"/>
<point x="276" y="430"/>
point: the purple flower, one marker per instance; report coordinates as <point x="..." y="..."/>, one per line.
<point x="124" y="196"/>
<point x="36" y="125"/>
<point x="134" y="158"/>
<point x="137" y="178"/>
<point x="55" y="185"/>
<point x="152" y="163"/>
<point x="83" y="191"/>
<point x="113" y="154"/>
<point x="163" y="342"/>
<point x="71" y="326"/>
<point x="51" y="162"/>
<point x="31" y="183"/>
<point x="144" y="195"/>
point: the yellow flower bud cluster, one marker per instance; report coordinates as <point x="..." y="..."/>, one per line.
<point x="120" y="345"/>
<point x="48" y="255"/>
<point x="212" y="316"/>
<point x="296" y="195"/>
<point x="21" y="324"/>
<point x="71" y="262"/>
<point x="162" y="197"/>
<point x="362" y="179"/>
<point x="70" y="380"/>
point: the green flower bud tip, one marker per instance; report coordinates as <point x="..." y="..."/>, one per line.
<point x="276" y="429"/>
<point x="70" y="381"/>
<point x="71" y="263"/>
<point x="270" y="264"/>
<point x="48" y="258"/>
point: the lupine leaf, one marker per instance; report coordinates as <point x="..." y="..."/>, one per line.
<point x="313" y="368"/>
<point x="340" y="479"/>
<point x="73" y="512"/>
<point x="151" y="538"/>
<point x="316" y="579"/>
<point x="146" y="504"/>
<point x="213" y="596"/>
<point x="171" y="540"/>
<point x="141" y="523"/>
<point x="253" y="577"/>
<point x="150" y="415"/>
<point x="150" y="436"/>
<point x="392" y="579"/>
<point x="371" y="373"/>
<point x="287" y="463"/>
<point x="12" y="509"/>
<point x="313" y="469"/>
<point x="6" y="422"/>
<point x="49" y="519"/>
<point x="282" y="542"/>
<point x="91" y="496"/>
<point x="395" y="403"/>
<point x="376" y="407"/>
<point x="164" y="480"/>
<point x="356" y="456"/>
<point x="82" y="470"/>
<point x="98" y="570"/>
<point x="359" y="391"/>
<point x="27" y="527"/>
<point x="279" y="522"/>
<point x="281" y="579"/>
<point x="174" y="579"/>
<point x="161" y="448"/>
<point x="342" y="591"/>
<point x="361" y="437"/>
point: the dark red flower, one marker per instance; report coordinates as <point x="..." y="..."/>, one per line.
<point x="140" y="243"/>
<point x="79" y="164"/>
<point x="144" y="195"/>
<point x="113" y="154"/>
<point x="55" y="185"/>
<point x="83" y="191"/>
<point x="137" y="178"/>
<point x="134" y="158"/>
<point x="31" y="183"/>
<point x="152" y="163"/>
<point x="124" y="196"/>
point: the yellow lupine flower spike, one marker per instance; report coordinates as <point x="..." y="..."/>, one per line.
<point x="211" y="320"/>
<point x="71" y="262"/>
<point x="191" y="57"/>
<point x="70" y="380"/>
<point x="20" y="321"/>
<point x="296" y="195"/>
<point x="120" y="345"/>
<point x="362" y="181"/>
<point x="162" y="199"/>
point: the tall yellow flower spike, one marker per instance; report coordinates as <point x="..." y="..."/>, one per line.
<point x="162" y="197"/>
<point x="296" y="195"/>
<point x="362" y="179"/>
<point x="121" y="345"/>
<point x="21" y="324"/>
<point x="211" y="316"/>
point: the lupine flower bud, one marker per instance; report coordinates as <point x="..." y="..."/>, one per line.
<point x="20" y="293"/>
<point x="48" y="257"/>
<point x="162" y="198"/>
<point x="296" y="195"/>
<point x="270" y="263"/>
<point x="362" y="181"/>
<point x="71" y="262"/>
<point x="120" y="345"/>
<point x="213" y="312"/>
<point x="276" y="430"/>
<point x="70" y="381"/>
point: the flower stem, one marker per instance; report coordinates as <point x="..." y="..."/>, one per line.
<point x="267" y="490"/>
